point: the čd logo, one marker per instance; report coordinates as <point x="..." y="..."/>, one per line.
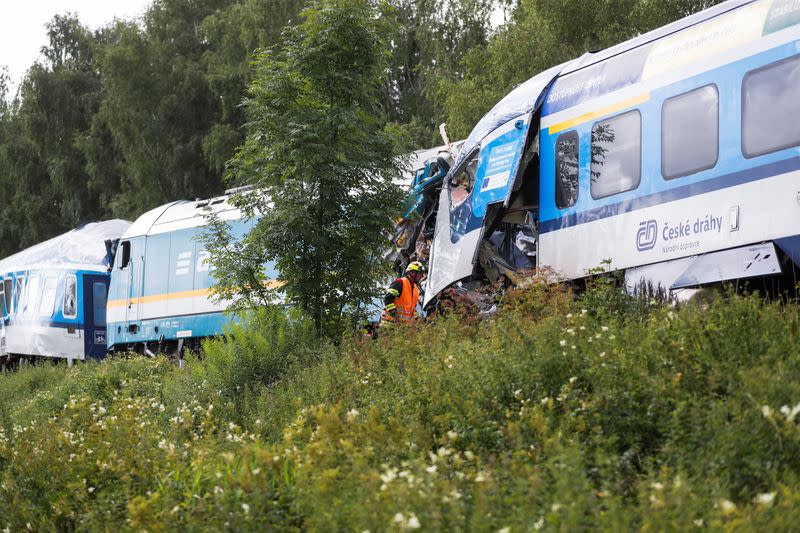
<point x="647" y="235"/>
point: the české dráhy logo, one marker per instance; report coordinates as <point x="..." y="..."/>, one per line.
<point x="647" y="235"/>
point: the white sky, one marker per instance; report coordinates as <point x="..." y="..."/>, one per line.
<point x="23" y="32"/>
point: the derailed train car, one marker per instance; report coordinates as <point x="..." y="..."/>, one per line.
<point x="53" y="295"/>
<point x="672" y="157"/>
<point x="160" y="298"/>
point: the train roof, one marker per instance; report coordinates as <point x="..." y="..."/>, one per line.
<point x="528" y="95"/>
<point x="80" y="249"/>
<point x="182" y="214"/>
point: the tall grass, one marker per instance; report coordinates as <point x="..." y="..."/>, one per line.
<point x="562" y="413"/>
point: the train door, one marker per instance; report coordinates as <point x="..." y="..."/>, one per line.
<point x="129" y="288"/>
<point x="95" y="294"/>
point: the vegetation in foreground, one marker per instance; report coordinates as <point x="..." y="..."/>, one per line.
<point x="562" y="413"/>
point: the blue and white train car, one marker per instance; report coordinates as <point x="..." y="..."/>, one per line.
<point x="53" y="295"/>
<point x="674" y="157"/>
<point x="160" y="297"/>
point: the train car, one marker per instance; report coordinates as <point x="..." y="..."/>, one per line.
<point x="53" y="295"/>
<point x="160" y="298"/>
<point x="672" y="157"/>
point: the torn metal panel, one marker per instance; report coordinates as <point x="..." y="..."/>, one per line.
<point x="737" y="263"/>
<point x="450" y="261"/>
<point x="659" y="278"/>
<point x="484" y="174"/>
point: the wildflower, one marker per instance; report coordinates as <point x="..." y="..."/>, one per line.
<point x="602" y="354"/>
<point x="504" y="530"/>
<point x="256" y="471"/>
<point x="727" y="506"/>
<point x="91" y="490"/>
<point x="571" y="331"/>
<point x="469" y="455"/>
<point x="352" y="414"/>
<point x="766" y="410"/>
<point x="175" y="509"/>
<point x="569" y="315"/>
<point x="452" y="435"/>
<point x="389" y="475"/>
<point x="764" y="498"/>
<point x="656" y="486"/>
<point x="604" y="328"/>
<point x="413" y="522"/>
<point x="399" y="518"/>
<point x="275" y="459"/>
<point x="698" y="522"/>
<point x="246" y="508"/>
<point x="555" y="507"/>
<point x="562" y="342"/>
<point x="431" y="469"/>
<point x="573" y="379"/>
<point x="539" y="524"/>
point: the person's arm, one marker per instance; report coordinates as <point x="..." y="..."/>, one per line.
<point x="392" y="293"/>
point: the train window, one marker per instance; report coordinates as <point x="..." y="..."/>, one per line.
<point x="48" y="297"/>
<point x="690" y="132"/>
<point x="8" y="287"/>
<point x="125" y="256"/>
<point x="616" y="164"/>
<point x="771" y="108"/>
<point x="567" y="170"/>
<point x="31" y="296"/>
<point x="18" y="292"/>
<point x="3" y="298"/>
<point x="99" y="295"/>
<point x="70" y="308"/>
<point x="461" y="184"/>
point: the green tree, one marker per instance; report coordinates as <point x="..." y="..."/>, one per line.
<point x="543" y="33"/>
<point x="321" y="163"/>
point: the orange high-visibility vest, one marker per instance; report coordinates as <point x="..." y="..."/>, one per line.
<point x="405" y="304"/>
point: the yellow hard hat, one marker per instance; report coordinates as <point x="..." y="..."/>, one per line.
<point x="415" y="266"/>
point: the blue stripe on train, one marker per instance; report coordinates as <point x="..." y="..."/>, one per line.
<point x="692" y="189"/>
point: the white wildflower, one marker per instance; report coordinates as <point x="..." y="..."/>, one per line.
<point x="413" y="522"/>
<point x="766" y="410"/>
<point x="539" y="524"/>
<point x="727" y="506"/>
<point x="504" y="530"/>
<point x="389" y="476"/>
<point x="657" y="486"/>
<point x="573" y="379"/>
<point x="562" y="342"/>
<point x="604" y="328"/>
<point x="399" y="518"/>
<point x="352" y="414"/>
<point x="765" y="498"/>
<point x="698" y="522"/>
<point x="452" y="435"/>
<point x="246" y="508"/>
<point x="431" y="469"/>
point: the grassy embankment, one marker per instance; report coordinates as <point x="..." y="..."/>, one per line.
<point x="563" y="413"/>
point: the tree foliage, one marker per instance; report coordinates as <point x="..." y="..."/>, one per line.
<point x="323" y="167"/>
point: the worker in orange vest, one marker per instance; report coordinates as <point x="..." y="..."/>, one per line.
<point x="402" y="296"/>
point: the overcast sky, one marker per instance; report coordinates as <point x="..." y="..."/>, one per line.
<point x="23" y="33"/>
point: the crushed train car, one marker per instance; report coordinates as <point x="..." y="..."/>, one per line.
<point x="672" y="157"/>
